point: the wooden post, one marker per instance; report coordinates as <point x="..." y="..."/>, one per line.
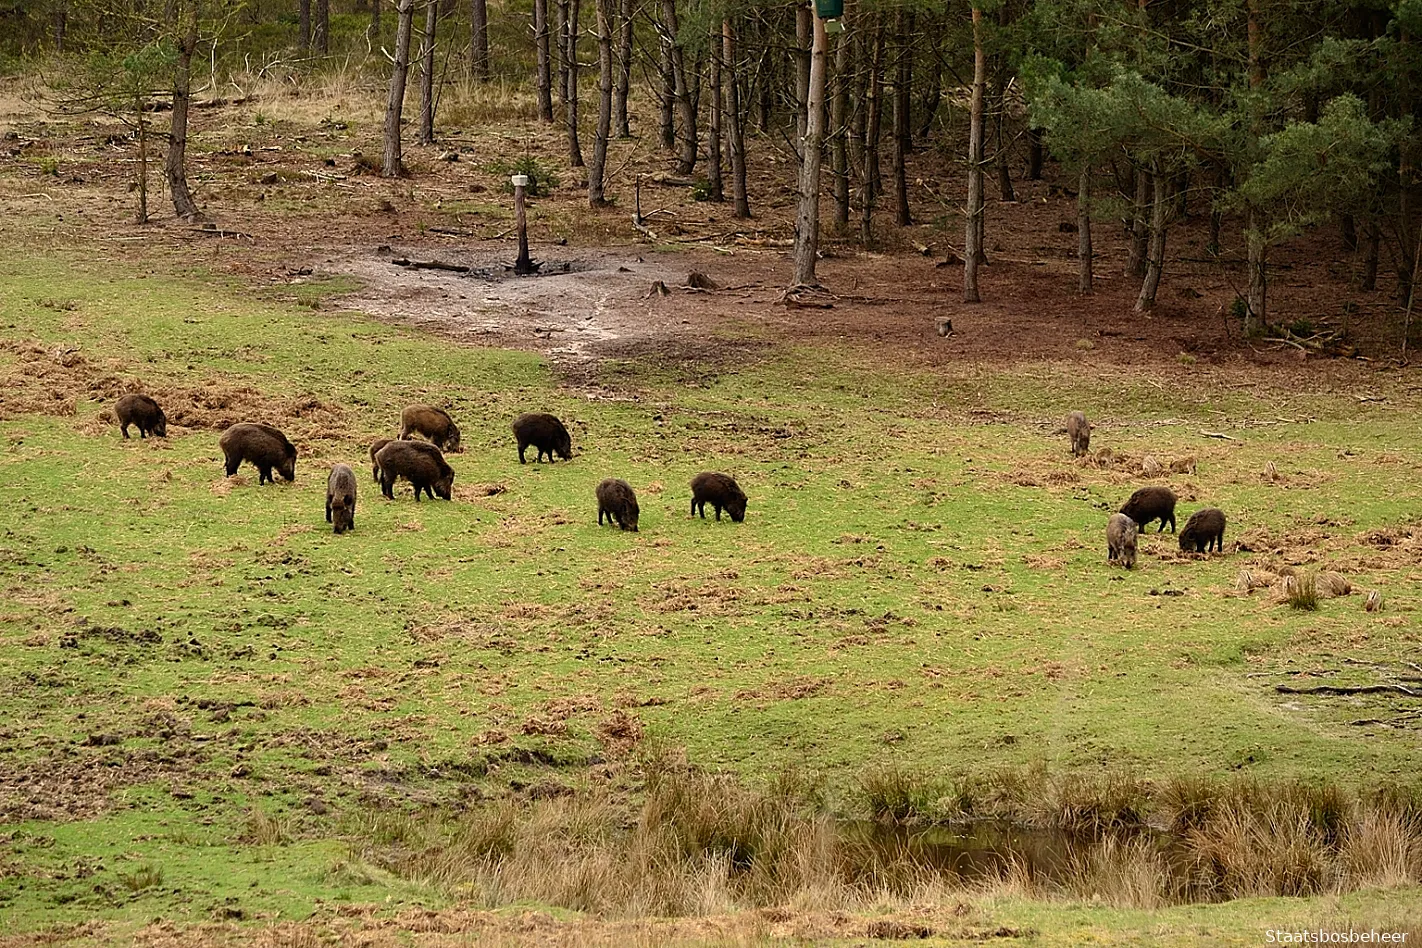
<point x="523" y="266"/>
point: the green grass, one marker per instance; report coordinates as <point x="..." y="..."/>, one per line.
<point x="899" y="592"/>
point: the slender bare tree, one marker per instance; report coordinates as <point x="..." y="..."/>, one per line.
<point x="597" y="169"/>
<point x="973" y="236"/>
<point x="807" y="217"/>
<point x="543" y="70"/>
<point x="621" y="125"/>
<point x="713" y="124"/>
<point x="735" y="122"/>
<point x="1085" y="281"/>
<point x="427" y="68"/>
<point x="569" y="42"/>
<point x="479" y="39"/>
<point x="393" y="166"/>
<point x="175" y="168"/>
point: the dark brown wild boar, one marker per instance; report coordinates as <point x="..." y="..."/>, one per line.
<point x="375" y="447"/>
<point x="341" y="498"/>
<point x="616" y="499"/>
<point x="1204" y="529"/>
<point x="719" y="490"/>
<point x="140" y="410"/>
<point x="1121" y="540"/>
<point x="264" y="446"/>
<point x="1079" y="431"/>
<point x="544" y="432"/>
<point x="1151" y="503"/>
<point x="433" y="423"/>
<point x="421" y="464"/>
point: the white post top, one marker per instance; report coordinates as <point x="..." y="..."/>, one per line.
<point x="519" y="180"/>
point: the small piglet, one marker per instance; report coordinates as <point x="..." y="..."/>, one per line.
<point x="1121" y="540"/>
<point x="341" y="498"/>
<point x="1079" y="430"/>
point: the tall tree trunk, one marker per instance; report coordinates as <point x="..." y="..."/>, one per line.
<point x="479" y="39"/>
<point x="1140" y="228"/>
<point x="373" y="30"/>
<point x="61" y="28"/>
<point x="666" y="94"/>
<point x="903" y="73"/>
<point x="1085" y="281"/>
<point x="321" y="28"/>
<point x="839" y="128"/>
<point x="735" y="122"/>
<point x="933" y="93"/>
<point x="303" y="25"/>
<point x="175" y="168"/>
<point x="543" y="69"/>
<point x="570" y="97"/>
<point x="804" y="40"/>
<point x="596" y="170"/>
<point x="1004" y="172"/>
<point x="1256" y="317"/>
<point x="393" y="167"/>
<point x="427" y="67"/>
<point x="1372" y="238"/>
<point x="621" y="125"/>
<point x="973" y="236"/>
<point x="1348" y="231"/>
<point x="807" y="217"/>
<point x="686" y="141"/>
<point x="875" y="120"/>
<point x="1155" y="255"/>
<point x="713" y="124"/>
<point x="142" y="175"/>
<point x="1034" y="154"/>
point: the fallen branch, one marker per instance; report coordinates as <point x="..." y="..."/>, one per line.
<point x="219" y="232"/>
<point x="430" y="265"/>
<point x="1347" y="690"/>
<point x="1218" y="434"/>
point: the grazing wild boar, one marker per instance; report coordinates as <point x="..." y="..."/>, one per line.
<point x="341" y="498"/>
<point x="1151" y="503"/>
<point x="544" y="432"/>
<point x="720" y="491"/>
<point x="421" y="464"/>
<point x="264" y="446"/>
<point x="433" y="423"/>
<point x="616" y="499"/>
<point x="1121" y="540"/>
<point x="1204" y="529"/>
<point x="375" y="447"/>
<point x="142" y="411"/>
<point x="1079" y="429"/>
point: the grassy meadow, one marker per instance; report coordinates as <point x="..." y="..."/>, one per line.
<point x="205" y="694"/>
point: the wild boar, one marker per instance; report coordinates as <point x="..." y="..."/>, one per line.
<point x="421" y="464"/>
<point x="375" y="447"/>
<point x="1203" y="531"/>
<point x="264" y="446"/>
<point x="1079" y="430"/>
<point x="544" y="432"/>
<point x="341" y="498"/>
<point x="719" y="490"/>
<point x="140" y="410"/>
<point x="616" y="499"/>
<point x="1151" y="503"/>
<point x="1121" y="540"/>
<point x="433" y="423"/>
